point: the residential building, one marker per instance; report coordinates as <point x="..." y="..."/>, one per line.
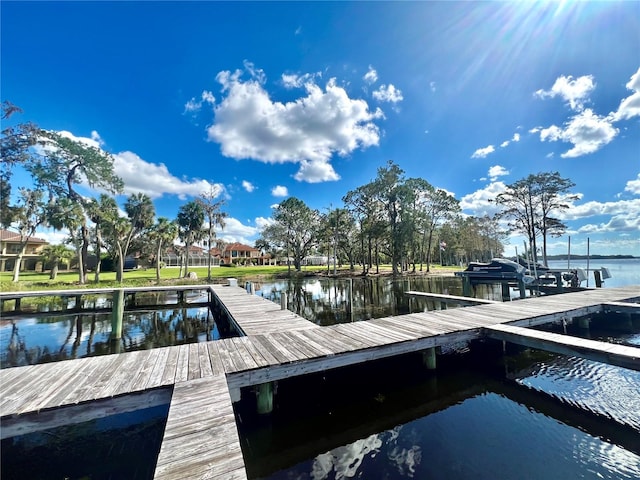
<point x="10" y="248"/>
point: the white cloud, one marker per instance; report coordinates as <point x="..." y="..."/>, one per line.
<point x="535" y="129"/>
<point x="294" y="80"/>
<point x="623" y="209"/>
<point x="371" y="76"/>
<point x="483" y="152"/>
<point x="316" y="171"/>
<point x="140" y="176"/>
<point x="248" y="186"/>
<point x="481" y="202"/>
<point x="249" y="124"/>
<point x="155" y="180"/>
<point x="432" y="86"/>
<point x="574" y="91"/>
<point x="236" y="231"/>
<point x="95" y="141"/>
<point x="388" y="93"/>
<point x="515" y="138"/>
<point x="194" y="105"/>
<point x="95" y="136"/>
<point x="497" y="171"/>
<point x="279" y="191"/>
<point x="587" y="132"/>
<point x="630" y="106"/>
<point x="262" y="222"/>
<point x="633" y="186"/>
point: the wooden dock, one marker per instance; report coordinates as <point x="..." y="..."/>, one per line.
<point x="203" y="380"/>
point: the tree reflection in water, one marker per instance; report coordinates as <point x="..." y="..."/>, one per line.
<point x="331" y="301"/>
<point x="55" y="338"/>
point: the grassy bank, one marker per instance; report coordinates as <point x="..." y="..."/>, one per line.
<point x="169" y="276"/>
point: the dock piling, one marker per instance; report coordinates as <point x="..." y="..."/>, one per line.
<point x="264" y="393"/>
<point x="429" y="358"/>
<point x="117" y="313"/>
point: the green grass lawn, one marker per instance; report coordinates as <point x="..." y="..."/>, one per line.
<point x="169" y="276"/>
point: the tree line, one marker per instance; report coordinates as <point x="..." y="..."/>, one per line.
<point x="392" y="219"/>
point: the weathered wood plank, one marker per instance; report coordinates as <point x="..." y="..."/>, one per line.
<point x="214" y="358"/>
<point x="170" y="367"/>
<point x="242" y="347"/>
<point x="620" y="355"/>
<point x="182" y="364"/>
<point x="193" y="362"/>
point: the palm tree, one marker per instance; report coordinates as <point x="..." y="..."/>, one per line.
<point x="214" y="217"/>
<point x="162" y="233"/>
<point x="190" y="223"/>
<point x="54" y="254"/>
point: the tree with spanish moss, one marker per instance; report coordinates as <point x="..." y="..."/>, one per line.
<point x="66" y="164"/>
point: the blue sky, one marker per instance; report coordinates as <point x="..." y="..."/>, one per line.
<point x="260" y="101"/>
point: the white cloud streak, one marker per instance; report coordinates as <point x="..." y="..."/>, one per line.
<point x="194" y="106"/>
<point x="483" y="152"/>
<point x="371" y="76"/>
<point x="388" y="93"/>
<point x="248" y="186"/>
<point x="630" y="106"/>
<point x="633" y="186"/>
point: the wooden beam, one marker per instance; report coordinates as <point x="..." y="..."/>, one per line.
<point x="611" y="353"/>
<point x="451" y="298"/>
<point x="35" y="422"/>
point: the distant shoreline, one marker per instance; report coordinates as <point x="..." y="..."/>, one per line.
<point x="591" y="257"/>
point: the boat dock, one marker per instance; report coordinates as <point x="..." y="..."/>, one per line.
<point x="201" y="381"/>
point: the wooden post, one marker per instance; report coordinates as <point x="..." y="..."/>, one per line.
<point x="283" y="300"/>
<point x="117" y="313"/>
<point x="252" y="288"/>
<point x="78" y="306"/>
<point x="264" y="394"/>
<point x="466" y="287"/>
<point x="17" y="305"/>
<point x="506" y="292"/>
<point x="180" y="297"/>
<point x="584" y="322"/>
<point x="429" y="358"/>
<point x="523" y="290"/>
<point x="598" y="278"/>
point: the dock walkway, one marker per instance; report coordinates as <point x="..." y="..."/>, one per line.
<point x="201" y="440"/>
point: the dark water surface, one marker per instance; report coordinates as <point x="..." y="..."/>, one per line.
<point x="121" y="446"/>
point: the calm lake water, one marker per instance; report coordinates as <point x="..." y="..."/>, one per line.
<point x="481" y="415"/>
<point x="44" y="337"/>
